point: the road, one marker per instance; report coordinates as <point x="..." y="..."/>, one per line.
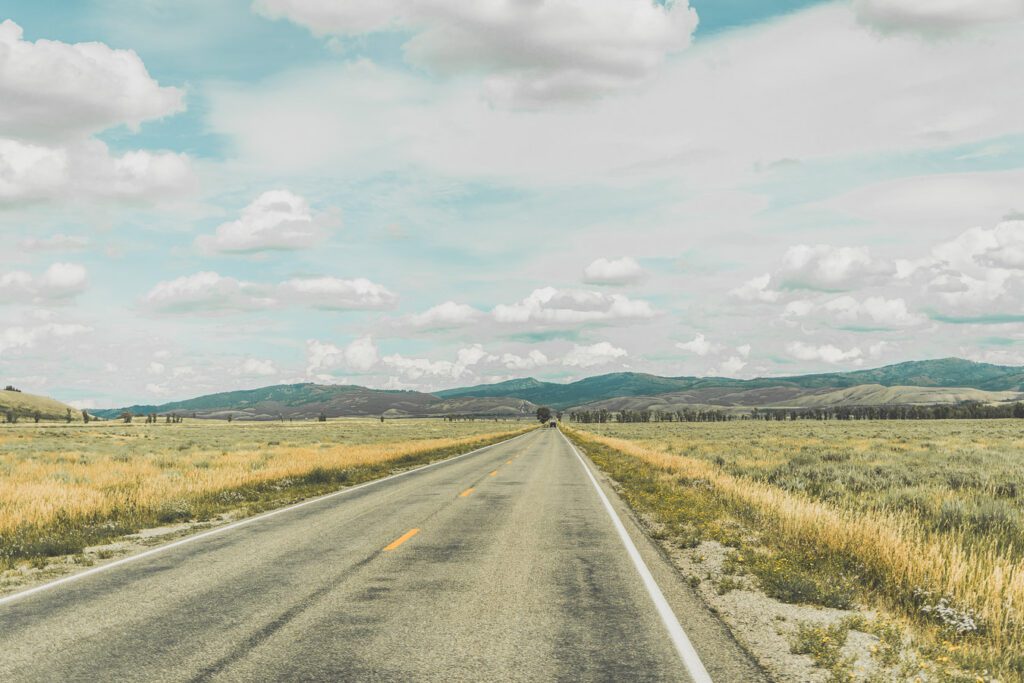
<point x="504" y="564"/>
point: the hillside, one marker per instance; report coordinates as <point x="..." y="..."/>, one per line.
<point x="878" y="395"/>
<point x="24" y="406"/>
<point x="307" y="401"/>
<point x="945" y="372"/>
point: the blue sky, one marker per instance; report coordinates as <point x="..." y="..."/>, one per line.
<point x="203" y="196"/>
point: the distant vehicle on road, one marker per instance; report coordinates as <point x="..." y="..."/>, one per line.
<point x="553" y="424"/>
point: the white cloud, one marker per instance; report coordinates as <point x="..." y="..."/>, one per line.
<point x="360" y="355"/>
<point x="744" y="350"/>
<point x="55" y="91"/>
<point x="551" y="306"/>
<point x="56" y="96"/>
<point x="331" y="293"/>
<point x="157" y="389"/>
<point x="257" y="367"/>
<point x="826" y="352"/>
<point x="32" y="172"/>
<point x="828" y="268"/>
<point x="59" y="281"/>
<point x="731" y="366"/>
<point x="601" y="353"/>
<point x="532" y="360"/>
<point x="445" y="315"/>
<point x="533" y="51"/>
<point x="210" y="291"/>
<point x="876" y="310"/>
<point x="20" y="337"/>
<point x="798" y="309"/>
<point x="618" y="272"/>
<point x="698" y="345"/>
<point x="417" y="368"/>
<point x="936" y="17"/>
<point x="206" y="291"/>
<point x="276" y="220"/>
<point x="58" y="242"/>
<point x="756" y="289"/>
<point x="155" y="368"/>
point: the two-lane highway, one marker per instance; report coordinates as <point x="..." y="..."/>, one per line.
<point x="504" y="564"/>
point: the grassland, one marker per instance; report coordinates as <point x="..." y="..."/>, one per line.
<point x="63" y="488"/>
<point x="922" y="519"/>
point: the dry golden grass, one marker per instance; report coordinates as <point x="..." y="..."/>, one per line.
<point x="893" y="551"/>
<point x="56" y="481"/>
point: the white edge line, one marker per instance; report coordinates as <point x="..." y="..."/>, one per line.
<point x="682" y="643"/>
<point x="235" y="525"/>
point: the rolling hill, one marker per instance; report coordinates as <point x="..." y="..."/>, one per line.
<point x="307" y="401"/>
<point x="25" y="406"/>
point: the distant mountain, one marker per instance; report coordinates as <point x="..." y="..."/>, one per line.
<point x="25" y="406"/>
<point x="945" y="372"/>
<point x="307" y="401"/>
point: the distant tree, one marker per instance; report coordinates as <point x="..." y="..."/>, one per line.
<point x="127" y="416"/>
<point x="85" y="416"/>
<point x="230" y="417"/>
<point x="37" y="416"/>
<point x="322" y="417"/>
<point x="382" y="419"/>
<point x="12" y="416"/>
<point x="67" y="417"/>
<point x="1018" y="410"/>
<point x="10" y="387"/>
<point x="543" y="414"/>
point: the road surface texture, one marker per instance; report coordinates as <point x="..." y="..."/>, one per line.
<point x="504" y="564"/>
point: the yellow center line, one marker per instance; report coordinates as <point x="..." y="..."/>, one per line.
<point x="508" y="462"/>
<point x="467" y="492"/>
<point x="494" y="473"/>
<point x="401" y="539"/>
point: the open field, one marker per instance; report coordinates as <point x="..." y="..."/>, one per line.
<point x="66" y="487"/>
<point x="922" y="519"/>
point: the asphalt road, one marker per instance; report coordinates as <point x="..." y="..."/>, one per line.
<point x="501" y="565"/>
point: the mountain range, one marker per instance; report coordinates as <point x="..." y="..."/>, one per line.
<point x="947" y="380"/>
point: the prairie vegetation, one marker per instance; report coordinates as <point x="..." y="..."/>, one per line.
<point x="922" y="519"/>
<point x="63" y="488"/>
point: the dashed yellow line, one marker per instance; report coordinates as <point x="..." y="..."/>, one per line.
<point x="467" y="492"/>
<point x="401" y="539"/>
<point x="508" y="462"/>
<point x="494" y="473"/>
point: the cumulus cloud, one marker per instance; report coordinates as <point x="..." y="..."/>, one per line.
<point x="445" y="315"/>
<point x="757" y="289"/>
<point x="698" y="345"/>
<point x="936" y="17"/>
<point x="205" y="291"/>
<point x="826" y="352"/>
<point x="277" y="220"/>
<point x="418" y="368"/>
<point x="875" y="310"/>
<point x="30" y="172"/>
<point x="336" y="294"/>
<point x="46" y="151"/>
<point x="731" y="366"/>
<point x="87" y="88"/>
<point x="602" y="353"/>
<point x="532" y="360"/>
<point x="532" y="52"/>
<point x="59" y="281"/>
<point x="551" y="306"/>
<point x="251" y="367"/>
<point x="360" y="355"/>
<point x="613" y="272"/>
<point x="210" y="291"/>
<point x="827" y="268"/>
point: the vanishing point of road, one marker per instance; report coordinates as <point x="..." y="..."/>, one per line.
<point x="506" y="564"/>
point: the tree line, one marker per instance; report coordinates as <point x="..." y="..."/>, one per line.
<point x="966" y="410"/>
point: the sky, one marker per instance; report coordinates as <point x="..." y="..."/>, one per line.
<point x="422" y="194"/>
